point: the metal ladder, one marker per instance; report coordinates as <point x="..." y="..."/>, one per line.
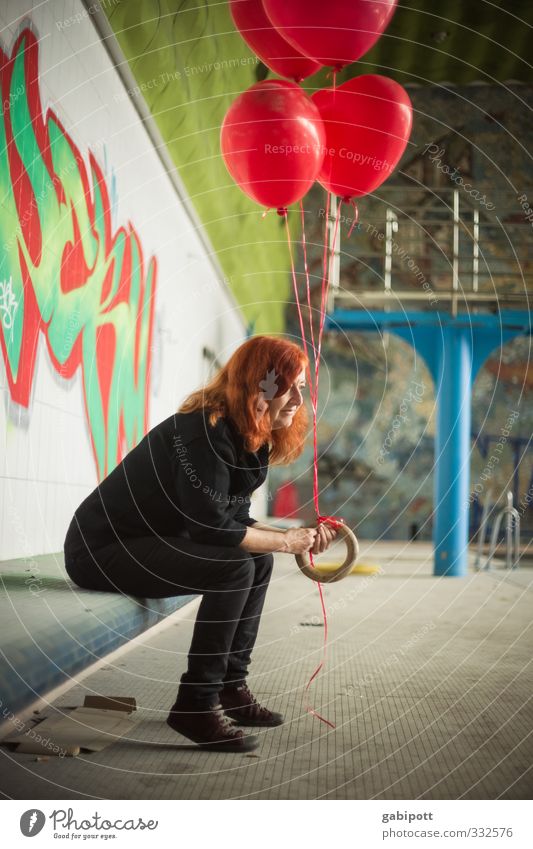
<point x="512" y="535"/>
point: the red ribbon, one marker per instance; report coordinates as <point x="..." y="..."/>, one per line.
<point x="316" y="343"/>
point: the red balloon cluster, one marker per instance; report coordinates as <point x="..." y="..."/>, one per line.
<point x="368" y="123"/>
<point x="276" y="141"/>
<point x="274" y="51"/>
<point x="272" y="141"/>
<point x="333" y="33"/>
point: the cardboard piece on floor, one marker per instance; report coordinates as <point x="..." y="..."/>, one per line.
<point x="86" y="728"/>
<point x="124" y="703"/>
<point x="32" y="747"/>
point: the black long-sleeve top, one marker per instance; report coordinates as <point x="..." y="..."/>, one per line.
<point x="185" y="478"/>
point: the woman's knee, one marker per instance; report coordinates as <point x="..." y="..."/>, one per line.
<point x="264" y="563"/>
<point x="261" y="564"/>
<point x="243" y="571"/>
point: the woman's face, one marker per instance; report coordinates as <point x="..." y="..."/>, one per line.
<point x="283" y="408"/>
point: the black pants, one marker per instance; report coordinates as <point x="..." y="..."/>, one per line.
<point x="232" y="581"/>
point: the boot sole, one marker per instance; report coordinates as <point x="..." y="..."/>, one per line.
<point x="247" y="744"/>
<point x="251" y="744"/>
<point x="250" y="724"/>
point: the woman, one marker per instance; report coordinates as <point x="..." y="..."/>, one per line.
<point x="173" y="518"/>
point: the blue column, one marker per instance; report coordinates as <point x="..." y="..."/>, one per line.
<point x="454" y="349"/>
<point x="452" y="451"/>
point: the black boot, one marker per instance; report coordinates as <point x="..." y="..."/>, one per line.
<point x="240" y="705"/>
<point x="208" y="726"/>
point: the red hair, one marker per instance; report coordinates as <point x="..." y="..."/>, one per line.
<point x="260" y="364"/>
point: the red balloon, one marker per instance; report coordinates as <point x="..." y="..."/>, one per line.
<point x="281" y="57"/>
<point x="368" y="122"/>
<point x="272" y="141"/>
<point x="333" y="33"/>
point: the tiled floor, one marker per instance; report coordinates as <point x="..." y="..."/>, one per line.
<point x="428" y="681"/>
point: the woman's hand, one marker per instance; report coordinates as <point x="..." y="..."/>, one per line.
<point x="298" y="540"/>
<point x="324" y="537"/>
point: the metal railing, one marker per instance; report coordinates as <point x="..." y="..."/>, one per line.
<point x="512" y="535"/>
<point x="440" y="253"/>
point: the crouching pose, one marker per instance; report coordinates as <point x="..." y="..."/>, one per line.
<point x="173" y="519"/>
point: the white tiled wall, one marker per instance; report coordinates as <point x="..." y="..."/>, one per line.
<point x="46" y="464"/>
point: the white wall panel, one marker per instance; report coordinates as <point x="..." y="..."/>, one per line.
<point x="47" y="466"/>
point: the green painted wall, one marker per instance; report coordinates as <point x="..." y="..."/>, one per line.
<point x="190" y="65"/>
<point x="67" y="275"/>
<point x="460" y="41"/>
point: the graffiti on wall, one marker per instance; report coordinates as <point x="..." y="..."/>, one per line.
<point x="64" y="273"/>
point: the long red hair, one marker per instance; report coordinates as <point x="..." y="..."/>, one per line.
<point x="260" y="362"/>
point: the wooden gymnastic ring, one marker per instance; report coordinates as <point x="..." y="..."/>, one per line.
<point x="352" y="551"/>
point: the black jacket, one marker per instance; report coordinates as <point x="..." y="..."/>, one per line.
<point x="185" y="478"/>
